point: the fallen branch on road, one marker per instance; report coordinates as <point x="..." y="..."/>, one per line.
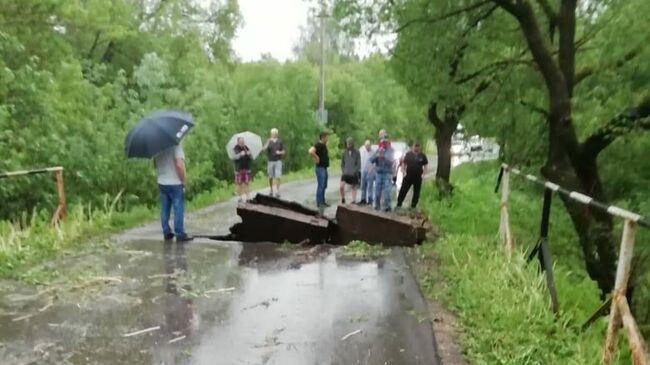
<point x="146" y="330"/>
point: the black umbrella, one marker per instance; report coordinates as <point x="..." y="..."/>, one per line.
<point x="157" y="132"/>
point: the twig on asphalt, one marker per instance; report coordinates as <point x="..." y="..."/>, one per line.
<point x="22" y="318"/>
<point x="146" y="330"/>
<point x="217" y="291"/>
<point x="46" y="307"/>
<point x="158" y="276"/>
<point x="350" y="335"/>
<point x="174" y="340"/>
<point x="105" y="278"/>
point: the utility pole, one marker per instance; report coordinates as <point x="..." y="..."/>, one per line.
<point x="321" y="96"/>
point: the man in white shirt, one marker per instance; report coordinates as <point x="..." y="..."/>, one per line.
<point x="367" y="173"/>
<point x="170" y="166"/>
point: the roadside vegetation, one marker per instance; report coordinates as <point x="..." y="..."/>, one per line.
<point x="562" y="85"/>
<point x="503" y="306"/>
<point x="360" y="250"/>
<point x="30" y="243"/>
<point x="75" y="76"/>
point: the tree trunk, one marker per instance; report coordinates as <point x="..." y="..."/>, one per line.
<point x="445" y="129"/>
<point x="566" y="164"/>
<point x="443" y="144"/>
<point x="568" y="167"/>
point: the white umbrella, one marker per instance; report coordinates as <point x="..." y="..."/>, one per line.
<point x="252" y="140"/>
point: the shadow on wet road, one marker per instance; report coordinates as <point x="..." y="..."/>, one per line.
<point x="218" y="303"/>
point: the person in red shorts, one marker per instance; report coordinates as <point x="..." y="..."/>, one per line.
<point x="243" y="159"/>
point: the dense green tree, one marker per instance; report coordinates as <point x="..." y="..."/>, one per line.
<point x="566" y="48"/>
<point x="76" y="75"/>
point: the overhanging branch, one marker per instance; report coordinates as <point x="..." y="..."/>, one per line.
<point x="441" y="17"/>
<point x="535" y="108"/>
<point x="588" y="71"/>
<point x="632" y="119"/>
<point x="551" y="15"/>
<point x="494" y="67"/>
<point x="456" y="59"/>
<point x="509" y="6"/>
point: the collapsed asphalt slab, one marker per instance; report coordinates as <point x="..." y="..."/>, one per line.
<point x="269" y="219"/>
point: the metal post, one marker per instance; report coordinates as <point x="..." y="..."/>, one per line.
<point x="321" y="96"/>
<point x="499" y="178"/>
<point x="620" y="288"/>
<point x="504" y="227"/>
<point x="543" y="252"/>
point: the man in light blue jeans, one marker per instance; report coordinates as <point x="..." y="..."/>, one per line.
<point x="170" y="167"/>
<point x="367" y="174"/>
<point x="320" y="155"/>
<point x="383" y="159"/>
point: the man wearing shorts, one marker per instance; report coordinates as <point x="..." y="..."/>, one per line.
<point x="274" y="151"/>
<point x="350" y="169"/>
<point x="243" y="160"/>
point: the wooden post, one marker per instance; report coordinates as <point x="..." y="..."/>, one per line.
<point x="634" y="337"/>
<point x="620" y="288"/>
<point x="504" y="227"/>
<point x="61" y="209"/>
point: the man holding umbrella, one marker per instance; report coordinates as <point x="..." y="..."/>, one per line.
<point x="158" y="136"/>
<point x="170" y="166"/>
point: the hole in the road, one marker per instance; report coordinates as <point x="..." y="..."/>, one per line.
<point x="270" y="219"/>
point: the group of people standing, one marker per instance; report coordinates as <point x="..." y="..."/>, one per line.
<point x="370" y="168"/>
<point x="373" y="169"/>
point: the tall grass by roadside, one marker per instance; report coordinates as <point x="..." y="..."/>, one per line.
<point x="503" y="306"/>
<point x="25" y="245"/>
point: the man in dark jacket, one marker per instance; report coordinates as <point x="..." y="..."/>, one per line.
<point x="415" y="162"/>
<point x="350" y="169"/>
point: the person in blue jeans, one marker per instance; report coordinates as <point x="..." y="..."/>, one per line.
<point x="383" y="159"/>
<point x="367" y="174"/>
<point x="320" y="155"/>
<point x="170" y="167"/>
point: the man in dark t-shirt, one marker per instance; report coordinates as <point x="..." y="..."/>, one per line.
<point x="320" y="155"/>
<point x="274" y="151"/>
<point x="350" y="170"/>
<point x="415" y="163"/>
<point x="243" y="159"/>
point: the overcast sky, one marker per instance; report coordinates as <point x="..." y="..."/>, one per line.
<point x="270" y="26"/>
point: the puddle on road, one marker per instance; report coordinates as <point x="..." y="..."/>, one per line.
<point x="225" y="304"/>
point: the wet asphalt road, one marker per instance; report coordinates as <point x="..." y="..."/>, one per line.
<point x="222" y="303"/>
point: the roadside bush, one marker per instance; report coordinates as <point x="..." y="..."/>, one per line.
<point x="503" y="305"/>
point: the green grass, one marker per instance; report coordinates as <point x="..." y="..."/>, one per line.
<point x="360" y="250"/>
<point x="503" y="306"/>
<point x="27" y="246"/>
